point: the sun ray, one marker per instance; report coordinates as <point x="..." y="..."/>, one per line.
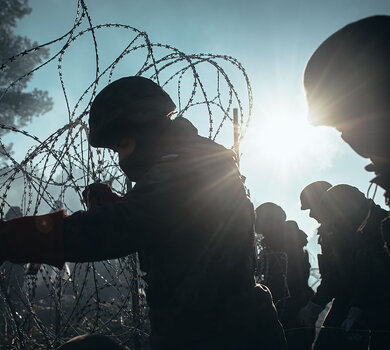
<point x="281" y="140"/>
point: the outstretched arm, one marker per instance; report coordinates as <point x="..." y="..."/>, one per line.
<point x="108" y="231"/>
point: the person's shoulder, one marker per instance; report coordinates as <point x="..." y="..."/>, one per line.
<point x="378" y="211"/>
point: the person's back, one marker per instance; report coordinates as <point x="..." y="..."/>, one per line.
<point x="198" y="249"/>
<point x="204" y="254"/>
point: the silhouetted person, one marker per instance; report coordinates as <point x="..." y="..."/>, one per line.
<point x="353" y="280"/>
<point x="188" y="217"/>
<point x="347" y="82"/>
<point x="284" y="267"/>
<point x="310" y="198"/>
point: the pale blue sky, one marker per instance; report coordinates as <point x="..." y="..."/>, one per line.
<point x="273" y="40"/>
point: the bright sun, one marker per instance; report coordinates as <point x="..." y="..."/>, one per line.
<point x="282" y="139"/>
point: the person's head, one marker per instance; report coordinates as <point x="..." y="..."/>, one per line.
<point x="347" y="83"/>
<point x="344" y="207"/>
<point x="270" y="220"/>
<point x="294" y="235"/>
<point x="311" y="197"/>
<point x="128" y="116"/>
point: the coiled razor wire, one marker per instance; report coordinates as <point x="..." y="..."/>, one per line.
<point x="41" y="306"/>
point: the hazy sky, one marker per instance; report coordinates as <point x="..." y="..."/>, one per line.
<point x="273" y="40"/>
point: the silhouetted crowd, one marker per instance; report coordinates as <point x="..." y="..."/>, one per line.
<point x="353" y="265"/>
<point x="190" y="219"/>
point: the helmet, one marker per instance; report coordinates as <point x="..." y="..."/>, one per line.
<point x="294" y="235"/>
<point x="311" y="194"/>
<point x="345" y="206"/>
<point x="125" y="104"/>
<point x="348" y="76"/>
<point x="268" y="216"/>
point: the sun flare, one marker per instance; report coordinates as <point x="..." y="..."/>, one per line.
<point x="282" y="139"/>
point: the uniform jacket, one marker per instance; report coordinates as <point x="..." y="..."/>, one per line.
<point x="191" y="222"/>
<point x="353" y="258"/>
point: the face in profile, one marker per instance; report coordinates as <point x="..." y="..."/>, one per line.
<point x="368" y="138"/>
<point x="314" y="213"/>
<point x="124" y="148"/>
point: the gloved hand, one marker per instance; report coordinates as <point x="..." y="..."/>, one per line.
<point x="36" y="239"/>
<point x="309" y="313"/>
<point x="354" y="316"/>
<point x="97" y="194"/>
